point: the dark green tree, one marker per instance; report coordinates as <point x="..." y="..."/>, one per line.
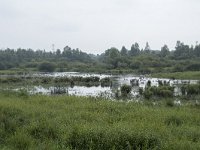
<point x="124" y="51"/>
<point x="147" y="48"/>
<point x="164" y="51"/>
<point x="135" y="49"/>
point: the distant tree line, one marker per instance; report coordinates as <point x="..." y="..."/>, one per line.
<point x="28" y="58"/>
<point x="145" y="60"/>
<point x="182" y="58"/>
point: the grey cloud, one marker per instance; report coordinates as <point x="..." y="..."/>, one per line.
<point x="95" y="25"/>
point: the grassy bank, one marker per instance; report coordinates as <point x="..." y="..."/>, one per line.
<point x="60" y="122"/>
<point x="192" y="75"/>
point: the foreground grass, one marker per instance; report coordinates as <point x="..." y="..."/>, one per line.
<point x="60" y="122"/>
<point x="195" y="75"/>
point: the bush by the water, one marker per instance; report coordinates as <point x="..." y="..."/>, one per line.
<point x="161" y="91"/>
<point x="125" y="89"/>
<point x="193" y="89"/>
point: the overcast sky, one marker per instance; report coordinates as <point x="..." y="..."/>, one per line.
<point x="96" y="25"/>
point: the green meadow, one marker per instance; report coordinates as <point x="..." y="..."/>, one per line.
<point x="80" y="123"/>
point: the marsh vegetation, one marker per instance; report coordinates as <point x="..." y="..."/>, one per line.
<point x="68" y="122"/>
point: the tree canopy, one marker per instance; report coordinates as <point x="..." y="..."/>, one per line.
<point x="183" y="57"/>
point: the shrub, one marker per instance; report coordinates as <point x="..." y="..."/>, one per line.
<point x="193" y="89"/>
<point x="166" y="93"/>
<point x="148" y="83"/>
<point x="126" y="89"/>
<point x="148" y="94"/>
<point x="162" y="91"/>
<point x="183" y="90"/>
<point x="141" y="91"/>
<point x="193" y="67"/>
<point x="46" y="67"/>
<point x="169" y="103"/>
<point x="160" y="83"/>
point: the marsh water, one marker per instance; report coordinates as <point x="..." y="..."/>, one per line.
<point x="102" y="91"/>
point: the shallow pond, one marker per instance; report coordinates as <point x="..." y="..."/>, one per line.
<point x="135" y="81"/>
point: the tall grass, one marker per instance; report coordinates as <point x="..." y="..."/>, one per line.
<point x="63" y="122"/>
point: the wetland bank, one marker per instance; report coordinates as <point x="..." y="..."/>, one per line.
<point x="146" y="113"/>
